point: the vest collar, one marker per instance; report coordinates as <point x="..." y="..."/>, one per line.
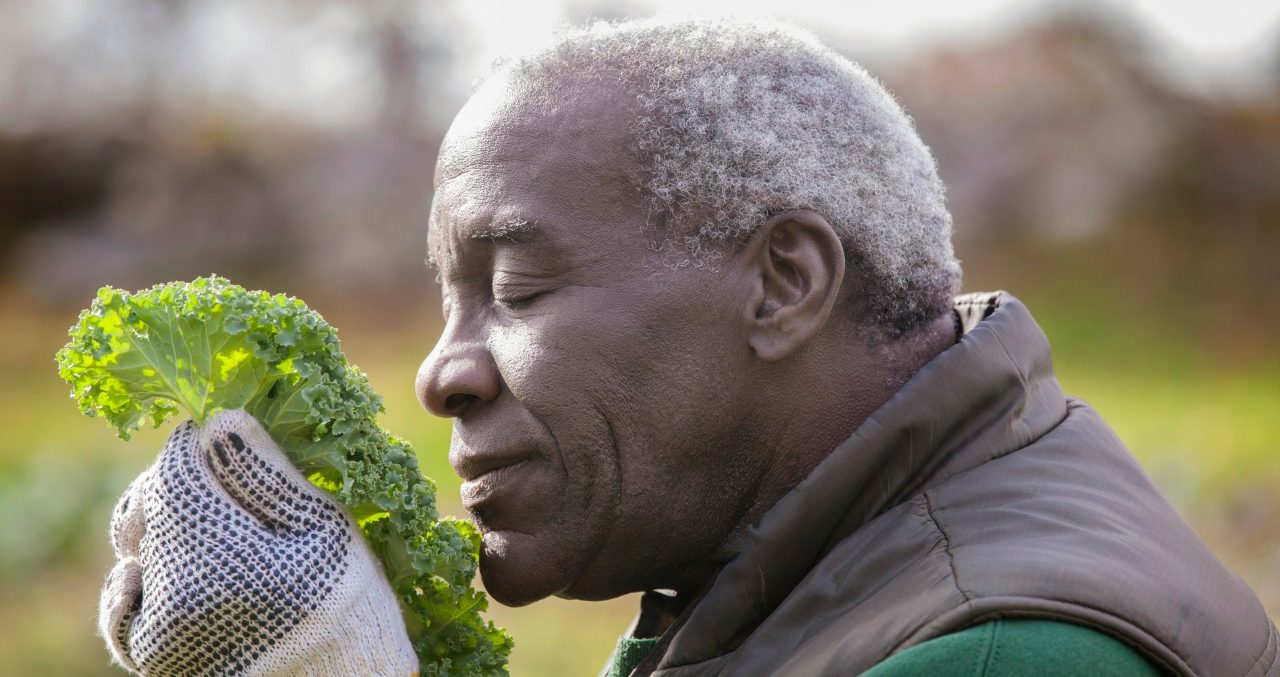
<point x="989" y="394"/>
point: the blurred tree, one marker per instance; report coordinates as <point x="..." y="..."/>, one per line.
<point x="215" y="178"/>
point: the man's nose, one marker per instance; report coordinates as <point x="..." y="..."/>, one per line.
<point x="458" y="374"/>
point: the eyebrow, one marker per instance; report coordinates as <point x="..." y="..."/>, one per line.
<point x="510" y="230"/>
<point x="505" y="230"/>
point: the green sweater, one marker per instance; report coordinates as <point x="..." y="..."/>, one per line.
<point x="1003" y="648"/>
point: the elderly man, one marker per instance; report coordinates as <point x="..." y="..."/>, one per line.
<point x="702" y="342"/>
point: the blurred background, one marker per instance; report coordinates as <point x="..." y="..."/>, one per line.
<point x="1116" y="165"/>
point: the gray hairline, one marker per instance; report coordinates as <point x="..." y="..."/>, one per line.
<point x="907" y="296"/>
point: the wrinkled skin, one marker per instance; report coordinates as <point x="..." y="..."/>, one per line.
<point x="636" y="418"/>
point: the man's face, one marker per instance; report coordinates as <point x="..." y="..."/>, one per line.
<point x="601" y="399"/>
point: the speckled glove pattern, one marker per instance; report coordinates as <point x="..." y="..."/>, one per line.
<point x="231" y="563"/>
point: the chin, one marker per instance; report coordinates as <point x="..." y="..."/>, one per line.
<point x="519" y="569"/>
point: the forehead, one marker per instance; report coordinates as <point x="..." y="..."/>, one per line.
<point x="558" y="156"/>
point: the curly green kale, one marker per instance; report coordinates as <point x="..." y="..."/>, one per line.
<point x="208" y="345"/>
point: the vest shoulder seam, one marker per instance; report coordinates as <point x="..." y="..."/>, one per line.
<point x="946" y="544"/>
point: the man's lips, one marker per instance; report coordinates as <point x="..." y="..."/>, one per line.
<point x="470" y="464"/>
<point x="487" y="481"/>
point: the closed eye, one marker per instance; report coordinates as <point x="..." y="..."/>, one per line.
<point x="516" y="302"/>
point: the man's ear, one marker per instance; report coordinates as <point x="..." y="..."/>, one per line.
<point x="795" y="265"/>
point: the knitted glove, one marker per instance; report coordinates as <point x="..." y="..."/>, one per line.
<point x="232" y="563"/>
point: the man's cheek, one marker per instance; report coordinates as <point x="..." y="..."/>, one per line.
<point x="517" y="350"/>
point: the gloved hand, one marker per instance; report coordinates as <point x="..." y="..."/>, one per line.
<point x="232" y="563"/>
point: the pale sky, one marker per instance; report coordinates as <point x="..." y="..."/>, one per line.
<point x="258" y="53"/>
<point x="1219" y="38"/>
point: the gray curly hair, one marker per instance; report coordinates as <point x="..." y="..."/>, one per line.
<point x="743" y="119"/>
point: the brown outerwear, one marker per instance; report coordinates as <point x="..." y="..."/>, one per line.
<point x="979" y="491"/>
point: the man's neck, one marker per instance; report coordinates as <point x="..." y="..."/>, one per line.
<point x="825" y="400"/>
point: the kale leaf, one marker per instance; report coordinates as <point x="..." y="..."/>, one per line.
<point x="202" y="346"/>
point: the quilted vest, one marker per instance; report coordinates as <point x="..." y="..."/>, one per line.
<point x="978" y="491"/>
